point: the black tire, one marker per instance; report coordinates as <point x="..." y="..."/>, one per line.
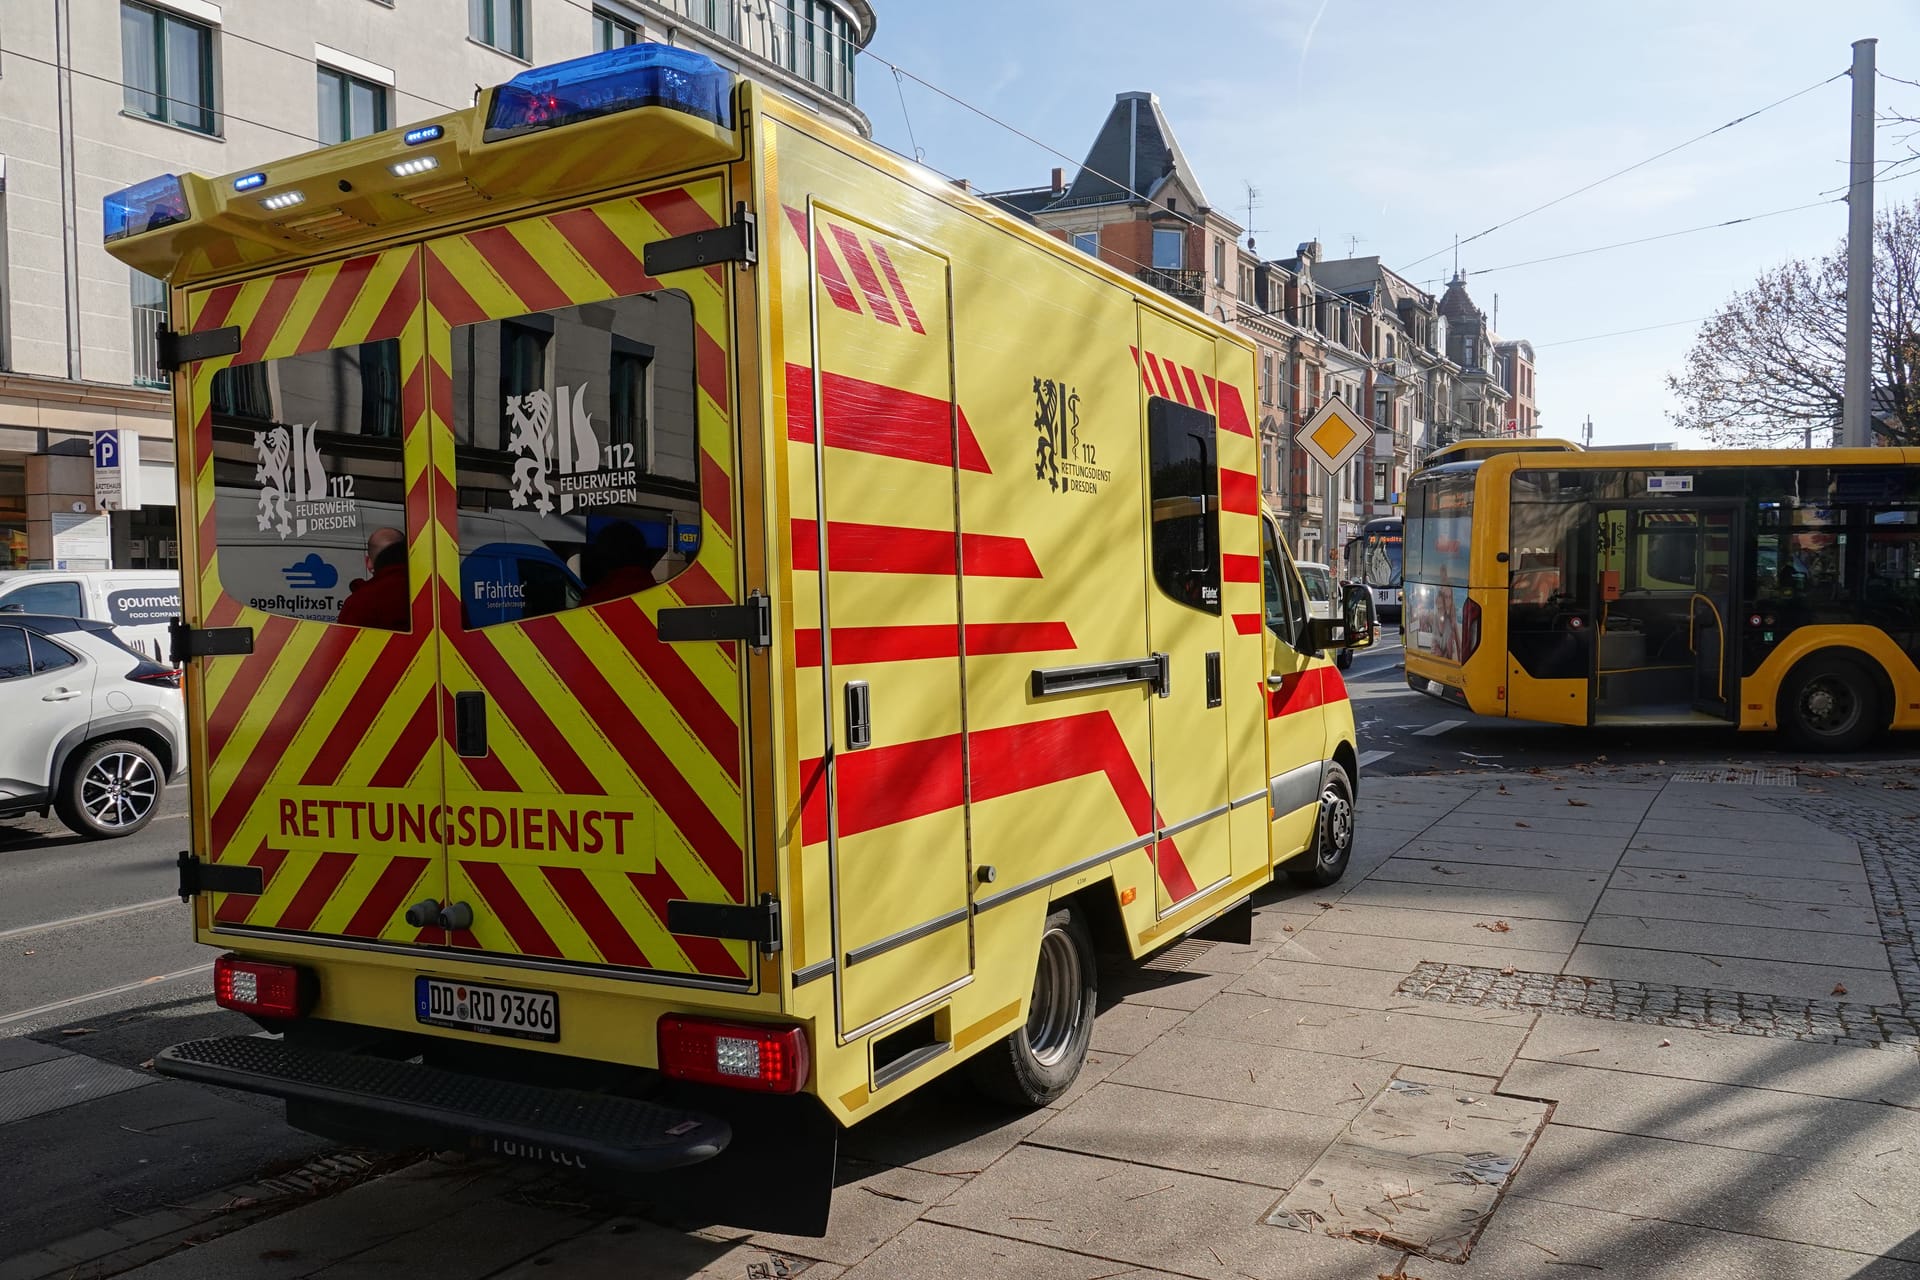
<point x="1343" y="659"/>
<point x="111" y="788"/>
<point x="1036" y="1064"/>
<point x="1326" y="861"/>
<point x="1830" y="704"/>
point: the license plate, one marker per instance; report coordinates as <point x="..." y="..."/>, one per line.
<point x="494" y="1011"/>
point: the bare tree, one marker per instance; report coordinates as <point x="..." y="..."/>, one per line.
<point x="1769" y="367"/>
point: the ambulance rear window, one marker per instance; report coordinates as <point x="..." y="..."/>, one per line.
<point x="1186" y="503"/>
<point x="578" y="455"/>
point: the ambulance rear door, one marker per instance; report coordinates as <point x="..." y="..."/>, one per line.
<point x="313" y="748"/>
<point x="583" y="464"/>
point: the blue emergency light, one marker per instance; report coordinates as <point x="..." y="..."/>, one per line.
<point x="147" y="206"/>
<point x="249" y="182"/>
<point x="425" y="133"/>
<point x="639" y="75"/>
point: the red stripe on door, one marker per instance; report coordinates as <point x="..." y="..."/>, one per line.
<point x="259" y="333"/>
<point x="450" y="298"/>
<point x="1304" y="690"/>
<point x="522" y="710"/>
<point x="711" y="723"/>
<point x="517" y="269"/>
<point x="376" y="688"/>
<point x="716" y="493"/>
<point x="710" y="367"/>
<point x="1139" y="364"/>
<point x="254" y="669"/>
<point x="1246" y="624"/>
<point x="910" y="643"/>
<point x="869" y="418"/>
<point x="864" y="275"/>
<point x="603" y="249"/>
<point x="899" y="289"/>
<point x="1199" y="400"/>
<point x="595" y="918"/>
<point x="825" y="265"/>
<point x="214" y="312"/>
<point x="389" y="893"/>
<point x="707" y="955"/>
<point x="314" y="892"/>
<point x="398" y="311"/>
<point x="882" y="548"/>
<point x="1159" y="379"/>
<point x="528" y="936"/>
<point x="1241" y="568"/>
<point x="244" y="791"/>
<point x="341" y="294"/>
<point x="1239" y="492"/>
<point x="696" y="586"/>
<point x="488" y="773"/>
<point x="235" y="907"/>
<point x="1232" y="410"/>
<point x="410" y="748"/>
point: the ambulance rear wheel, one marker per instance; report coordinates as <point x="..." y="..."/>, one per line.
<point x="1326" y="861"/>
<point x="1036" y="1064"/>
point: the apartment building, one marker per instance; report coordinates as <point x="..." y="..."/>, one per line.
<point x="96" y="95"/>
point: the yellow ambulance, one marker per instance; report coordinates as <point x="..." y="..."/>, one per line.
<point x="696" y="627"/>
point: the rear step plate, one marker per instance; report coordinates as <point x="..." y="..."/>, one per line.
<point x="421" y="1105"/>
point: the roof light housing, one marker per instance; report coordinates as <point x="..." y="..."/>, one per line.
<point x="639" y="75"/>
<point x="143" y="207"/>
<point x="413" y="166"/>
<point x="425" y="133"/>
<point x="250" y="181"/>
<point x="283" y="200"/>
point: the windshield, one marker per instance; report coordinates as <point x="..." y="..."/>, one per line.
<point x="1319" y="584"/>
<point x="1374" y="559"/>
<point x="1439" y="530"/>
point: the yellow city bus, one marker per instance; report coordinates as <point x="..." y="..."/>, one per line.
<point x="1761" y="589"/>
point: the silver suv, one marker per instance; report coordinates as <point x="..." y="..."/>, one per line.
<point x="93" y="730"/>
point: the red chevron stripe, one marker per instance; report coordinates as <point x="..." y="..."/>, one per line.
<point x="1246" y="624"/>
<point x="707" y="955"/>
<point x="602" y="249"/>
<point x="900" y="290"/>
<point x="869" y="418"/>
<point x="711" y="723"/>
<point x="696" y="586"/>
<point x="219" y="304"/>
<point x="1232" y="410"/>
<point x="375" y="690"/>
<point x="1199" y="400"/>
<point x="1241" y="568"/>
<point x="705" y="834"/>
<point x="1139" y="364"/>
<point x="595" y="918"/>
<point x="449" y="297"/>
<point x="716" y="493"/>
<point x="254" y="669"/>
<point x="294" y="708"/>
<point x="404" y="758"/>
<point x="488" y="773"/>
<point x="235" y="907"/>
<point x="314" y="892"/>
<point x="679" y="214"/>
<point x="710" y="366"/>
<point x="880" y="548"/>
<point x="826" y="266"/>
<point x="1159" y="379"/>
<point x="389" y="892"/>
<point x="864" y="275"/>
<point x="523" y="927"/>
<point x="1239" y="492"/>
<point x="909" y="643"/>
<point x="523" y="711"/>
<point x="341" y="292"/>
<point x="260" y="332"/>
<point x="1303" y="691"/>
<point x="517" y="269"/>
<point x="402" y="304"/>
<point x="225" y="612"/>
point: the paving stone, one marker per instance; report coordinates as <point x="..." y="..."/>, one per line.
<point x="1752" y="863"/>
<point x="871" y="1205"/>
<point x="19" y="1051"/>
<point x="1763" y="888"/>
<point x="945" y="1128"/>
<point x="1474" y="900"/>
<point x="1801" y="946"/>
<point x="1259" y="1075"/>
<point x="468" y="1244"/>
<point x="1361" y="951"/>
<point x="1803" y="842"/>
<point x="1718" y="908"/>
<point x="1449" y="926"/>
<point x="1573" y="822"/>
<point x="1770" y="976"/>
<point x="1280" y="977"/>
<point x="1570" y="886"/>
<point x="1408" y="1038"/>
<point x="931" y="1251"/>
<point x="1129" y="1028"/>
<point x="1096" y="1068"/>
<point x="1455" y="846"/>
<point x="1170" y="991"/>
<point x="1243" y="1142"/>
<point x="629" y="1247"/>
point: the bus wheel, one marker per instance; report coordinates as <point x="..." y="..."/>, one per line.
<point x="1326" y="861"/>
<point x="1035" y="1065"/>
<point x="1830" y="704"/>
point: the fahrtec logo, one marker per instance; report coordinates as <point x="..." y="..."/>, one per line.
<point x="585" y="473"/>
<point x="296" y="493"/>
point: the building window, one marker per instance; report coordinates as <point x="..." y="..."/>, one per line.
<point x="500" y="23"/>
<point x="149" y="304"/>
<point x="1168" y="249"/>
<point x="611" y="31"/>
<point x="1087" y="242"/>
<point x="1266" y="377"/>
<point x="1466" y="351"/>
<point x="1220" y="263"/>
<point x="167" y="63"/>
<point x="349" y="106"/>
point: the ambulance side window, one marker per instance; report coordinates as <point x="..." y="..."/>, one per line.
<point x="1286" y="611"/>
<point x="578" y="455"/>
<point x="1185" y="493"/>
<point x="310" y="486"/>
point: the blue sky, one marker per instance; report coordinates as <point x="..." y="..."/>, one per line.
<point x="1403" y="123"/>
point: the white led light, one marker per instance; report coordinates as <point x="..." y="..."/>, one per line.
<point x="419" y="164"/>
<point x="283" y="200"/>
<point x="736" y="1056"/>
<point x="244" y="986"/>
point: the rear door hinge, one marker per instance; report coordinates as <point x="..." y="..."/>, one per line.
<point x="197" y="877"/>
<point x="751" y="622"/>
<point x="758" y="924"/>
<point x="738" y="241"/>
<point x="174" y="351"/>
<point x="206" y="642"/>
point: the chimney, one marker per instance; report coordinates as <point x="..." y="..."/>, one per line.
<point x="1309" y="252"/>
<point x="964" y="185"/>
<point x="1059" y="181"/>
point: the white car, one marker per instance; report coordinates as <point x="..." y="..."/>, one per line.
<point x="1323" y="600"/>
<point x="95" y="730"/>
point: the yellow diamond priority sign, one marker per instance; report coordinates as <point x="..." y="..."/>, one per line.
<point x="1335" y="435"/>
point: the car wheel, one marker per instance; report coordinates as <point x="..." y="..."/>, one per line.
<point x="1036" y="1064"/>
<point x="111" y="789"/>
<point x="1326" y="861"/>
<point x="1830" y="704"/>
<point x="1344" y="659"/>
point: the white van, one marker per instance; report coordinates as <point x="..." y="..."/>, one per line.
<point x="138" y="603"/>
<point x="1322" y="598"/>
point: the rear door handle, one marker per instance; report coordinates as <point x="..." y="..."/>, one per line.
<point x="470" y="724"/>
<point x="1216" y="693"/>
<point x="60" y="695"/>
<point x="859" y="715"/>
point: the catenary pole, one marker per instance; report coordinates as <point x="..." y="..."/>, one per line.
<point x="1854" y="429"/>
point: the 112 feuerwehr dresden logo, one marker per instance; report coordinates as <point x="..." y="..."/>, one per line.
<point x="586" y="472"/>
<point x="296" y="493"/>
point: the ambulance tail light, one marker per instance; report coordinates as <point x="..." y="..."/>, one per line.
<point x="1469" y="629"/>
<point x="639" y="75"/>
<point x="738" y="1055"/>
<point x="264" y="990"/>
<point x="147" y="206"/>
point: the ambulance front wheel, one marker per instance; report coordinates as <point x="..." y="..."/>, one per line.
<point x="1326" y="861"/>
<point x="1036" y="1064"/>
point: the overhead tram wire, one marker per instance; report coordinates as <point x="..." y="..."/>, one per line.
<point x="1640" y="164"/>
<point x="1621" y="333"/>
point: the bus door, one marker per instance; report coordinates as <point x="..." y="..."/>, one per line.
<point x="1665" y="594"/>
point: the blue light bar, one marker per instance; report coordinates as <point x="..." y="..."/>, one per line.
<point x="147" y="206"/>
<point x="425" y="133"/>
<point x="249" y="182"/>
<point x="639" y="75"/>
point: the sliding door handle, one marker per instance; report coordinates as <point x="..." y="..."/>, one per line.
<point x="859" y="715"/>
<point x="470" y="724"/>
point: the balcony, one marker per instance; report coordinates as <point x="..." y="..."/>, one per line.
<point x="147" y="322"/>
<point x="1188" y="286"/>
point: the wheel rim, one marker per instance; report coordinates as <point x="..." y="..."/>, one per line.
<point x="1054" y="1014"/>
<point x="1829" y="706"/>
<point x="1336" y="824"/>
<point x="119" y="790"/>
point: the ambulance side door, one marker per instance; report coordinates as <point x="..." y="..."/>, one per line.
<point x="1298" y="686"/>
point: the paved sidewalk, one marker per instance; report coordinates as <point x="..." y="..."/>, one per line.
<point x="1685" y="1008"/>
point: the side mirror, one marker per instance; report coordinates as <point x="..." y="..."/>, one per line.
<point x="1355" y="628"/>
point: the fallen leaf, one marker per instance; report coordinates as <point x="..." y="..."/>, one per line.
<point x="1498" y="926"/>
<point x="78" y="1031"/>
<point x="1664" y="1044"/>
<point x="1443" y="871"/>
<point x="1578" y="804"/>
<point x="147" y="1065"/>
<point x="1508" y="972"/>
<point x="26" y="953"/>
<point x="1839" y="988"/>
<point x="1519" y="823"/>
<point x="1286" y="928"/>
<point x="1504" y="791"/>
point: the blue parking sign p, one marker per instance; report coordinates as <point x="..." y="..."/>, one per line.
<point x="106" y="450"/>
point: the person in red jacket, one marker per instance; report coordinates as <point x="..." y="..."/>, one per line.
<point x="380" y="600"/>
<point x="618" y="563"/>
